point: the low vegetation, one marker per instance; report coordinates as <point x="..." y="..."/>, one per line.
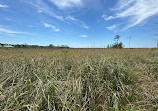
<point x="78" y="80"/>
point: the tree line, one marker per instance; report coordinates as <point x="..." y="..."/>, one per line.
<point x="32" y="46"/>
<point x="116" y="45"/>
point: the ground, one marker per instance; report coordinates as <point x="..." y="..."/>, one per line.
<point x="79" y="79"/>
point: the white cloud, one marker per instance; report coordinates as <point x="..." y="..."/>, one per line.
<point x="51" y="26"/>
<point x="107" y="18"/>
<point x="48" y="11"/>
<point x="77" y="22"/>
<point x="136" y="11"/>
<point x="43" y="8"/>
<point x="2" y="30"/>
<point x="40" y="11"/>
<point x="62" y="4"/>
<point x="111" y="27"/>
<point x="3" y="6"/>
<point x="84" y="36"/>
<point x="123" y="4"/>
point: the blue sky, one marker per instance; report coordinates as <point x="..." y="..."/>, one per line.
<point x="79" y="23"/>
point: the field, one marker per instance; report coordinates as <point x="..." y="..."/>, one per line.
<point x="79" y="79"/>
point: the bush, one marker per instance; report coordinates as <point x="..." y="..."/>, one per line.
<point x="116" y="45"/>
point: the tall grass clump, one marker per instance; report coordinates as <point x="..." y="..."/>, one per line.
<point x="78" y="80"/>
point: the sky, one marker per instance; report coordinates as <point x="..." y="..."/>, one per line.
<point x="79" y="23"/>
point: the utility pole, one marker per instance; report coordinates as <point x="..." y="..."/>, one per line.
<point x="130" y="41"/>
<point x="156" y="39"/>
<point x="93" y="45"/>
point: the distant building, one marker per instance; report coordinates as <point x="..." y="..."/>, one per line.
<point x="7" y="46"/>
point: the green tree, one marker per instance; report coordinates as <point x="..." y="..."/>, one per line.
<point x="117" y="37"/>
<point x="51" y="46"/>
<point x="2" y="44"/>
<point x="116" y="44"/>
<point x="120" y="45"/>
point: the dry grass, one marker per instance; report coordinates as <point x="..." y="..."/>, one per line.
<point x="78" y="80"/>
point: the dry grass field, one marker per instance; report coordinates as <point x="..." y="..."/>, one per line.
<point x="78" y="80"/>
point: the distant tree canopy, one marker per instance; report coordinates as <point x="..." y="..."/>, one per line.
<point x="51" y="46"/>
<point x="117" y="44"/>
<point x="33" y="46"/>
<point x="2" y="45"/>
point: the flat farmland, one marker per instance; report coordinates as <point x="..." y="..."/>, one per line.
<point x="79" y="79"/>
